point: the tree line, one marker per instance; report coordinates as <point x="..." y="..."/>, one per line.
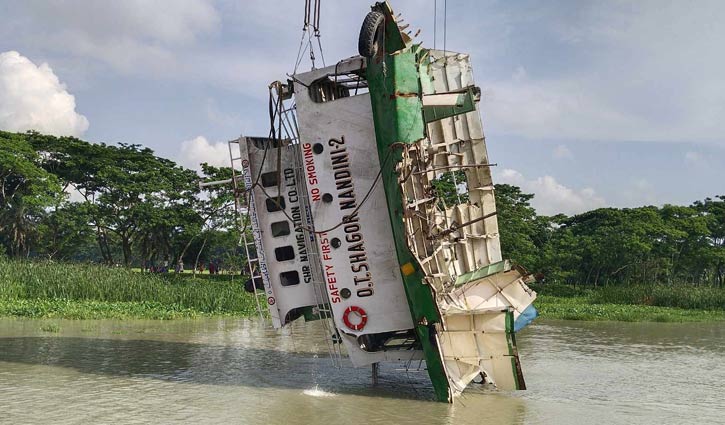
<point x="132" y="207"/>
<point x="634" y="246"/>
<point x="62" y="198"/>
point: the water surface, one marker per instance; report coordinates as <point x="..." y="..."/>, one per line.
<point x="240" y="371"/>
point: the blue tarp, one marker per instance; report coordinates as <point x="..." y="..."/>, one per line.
<point x="526" y="317"/>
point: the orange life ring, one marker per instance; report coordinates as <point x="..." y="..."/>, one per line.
<point x="360" y="312"/>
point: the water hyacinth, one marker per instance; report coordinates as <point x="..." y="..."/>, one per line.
<point x="38" y="289"/>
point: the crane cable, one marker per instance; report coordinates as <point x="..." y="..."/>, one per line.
<point x="311" y="19"/>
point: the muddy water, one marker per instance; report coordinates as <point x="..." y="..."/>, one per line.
<point x="237" y="371"/>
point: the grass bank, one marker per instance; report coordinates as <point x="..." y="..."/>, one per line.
<point x="83" y="291"/>
<point x="640" y="303"/>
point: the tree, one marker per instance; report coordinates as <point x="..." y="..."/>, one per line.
<point x="129" y="193"/>
<point x="216" y="209"/>
<point x="451" y="188"/>
<point x="521" y="232"/>
<point x="26" y="189"/>
<point x="64" y="233"/>
<point x="714" y="212"/>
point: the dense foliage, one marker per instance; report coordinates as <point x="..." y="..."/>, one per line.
<point x="66" y="199"/>
<point x="647" y="245"/>
<point x="83" y="291"/>
<point x="132" y="207"/>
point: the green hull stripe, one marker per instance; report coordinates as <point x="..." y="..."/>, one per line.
<point x="394" y="86"/>
<point x="520" y="384"/>
<point x="484" y="271"/>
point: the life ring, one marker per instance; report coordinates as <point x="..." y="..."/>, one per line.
<point x="360" y="312"/>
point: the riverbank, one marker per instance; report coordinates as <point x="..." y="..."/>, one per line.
<point x="582" y="308"/>
<point x="85" y="291"/>
<point x="653" y="303"/>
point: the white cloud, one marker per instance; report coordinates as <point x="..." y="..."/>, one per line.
<point x="551" y="197"/>
<point x="74" y="195"/>
<point x="32" y="98"/>
<point x="562" y="152"/>
<point x="164" y="21"/>
<point x="199" y="149"/>
<point x="131" y="36"/>
<point x="556" y="109"/>
<point x="616" y="71"/>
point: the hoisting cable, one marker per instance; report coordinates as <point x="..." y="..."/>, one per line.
<point x="316" y="27"/>
<point x="307" y="15"/>
<point x="445" y="22"/>
<point x="310" y="28"/>
<point x="305" y="29"/>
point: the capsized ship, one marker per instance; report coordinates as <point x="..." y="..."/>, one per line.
<point x="350" y="226"/>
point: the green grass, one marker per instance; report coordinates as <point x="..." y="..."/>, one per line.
<point x="581" y="308"/>
<point x="680" y="296"/>
<point x="82" y="291"/>
<point x="75" y="291"/>
<point x="655" y="303"/>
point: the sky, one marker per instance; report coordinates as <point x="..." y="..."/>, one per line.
<point x="585" y="104"/>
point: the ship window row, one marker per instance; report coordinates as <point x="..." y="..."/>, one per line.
<point x="280" y="228"/>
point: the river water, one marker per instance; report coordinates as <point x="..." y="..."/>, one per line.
<point x="239" y="371"/>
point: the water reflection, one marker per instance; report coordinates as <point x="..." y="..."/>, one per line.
<point x="218" y="371"/>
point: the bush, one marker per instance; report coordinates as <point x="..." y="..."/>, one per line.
<point x="26" y="280"/>
<point x="683" y="296"/>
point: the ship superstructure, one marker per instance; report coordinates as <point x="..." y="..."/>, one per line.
<point x="351" y="226"/>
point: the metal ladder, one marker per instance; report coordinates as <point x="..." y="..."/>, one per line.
<point x="241" y="206"/>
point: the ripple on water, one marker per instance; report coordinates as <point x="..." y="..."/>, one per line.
<point x="237" y="371"/>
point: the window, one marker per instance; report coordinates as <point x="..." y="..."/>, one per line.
<point x="290" y="278"/>
<point x="275" y="203"/>
<point x="269" y="179"/>
<point x="284" y="253"/>
<point x="280" y="228"/>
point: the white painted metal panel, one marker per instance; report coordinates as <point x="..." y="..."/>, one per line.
<point x="281" y="299"/>
<point x="365" y="263"/>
